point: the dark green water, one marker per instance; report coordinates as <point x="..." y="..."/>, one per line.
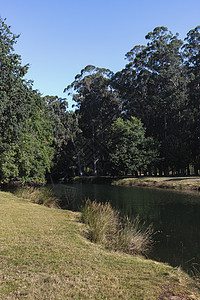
<point x="175" y="217"/>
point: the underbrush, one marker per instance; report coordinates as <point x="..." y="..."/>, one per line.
<point x="41" y="195"/>
<point x="107" y="228"/>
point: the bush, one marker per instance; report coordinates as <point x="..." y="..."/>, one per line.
<point x="105" y="227"/>
<point x="102" y="221"/>
<point x="42" y="195"/>
<point x="134" y="237"/>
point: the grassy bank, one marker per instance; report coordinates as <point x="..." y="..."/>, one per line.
<point x="91" y="179"/>
<point x="44" y="254"/>
<point x="179" y="183"/>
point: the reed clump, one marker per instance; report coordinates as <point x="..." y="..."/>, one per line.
<point x="107" y="228"/>
<point x="39" y="195"/>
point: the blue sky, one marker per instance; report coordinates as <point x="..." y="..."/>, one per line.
<point x="59" y="38"/>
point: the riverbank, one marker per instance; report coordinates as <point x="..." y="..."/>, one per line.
<point x="45" y="255"/>
<point x="91" y="179"/>
<point x="177" y="183"/>
<point x="190" y="183"/>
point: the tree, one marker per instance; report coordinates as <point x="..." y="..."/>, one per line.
<point x="66" y="131"/>
<point x="25" y="125"/>
<point x="130" y="150"/>
<point x="153" y="85"/>
<point x="192" y="115"/>
<point x="98" y="106"/>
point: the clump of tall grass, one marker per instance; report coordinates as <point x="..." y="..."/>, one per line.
<point x="102" y="221"/>
<point x="134" y="237"/>
<point x="41" y="195"/>
<point x="106" y="227"/>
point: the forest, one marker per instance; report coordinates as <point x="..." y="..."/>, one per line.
<point x="142" y="120"/>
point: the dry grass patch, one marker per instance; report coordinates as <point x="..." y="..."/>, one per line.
<point x="43" y="255"/>
<point x="181" y="183"/>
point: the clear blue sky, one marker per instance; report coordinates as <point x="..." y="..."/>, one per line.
<point x="59" y="38"/>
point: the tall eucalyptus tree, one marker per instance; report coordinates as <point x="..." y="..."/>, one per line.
<point x="152" y="86"/>
<point x="192" y="65"/>
<point x="98" y="106"/>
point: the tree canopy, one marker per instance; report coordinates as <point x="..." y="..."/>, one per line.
<point x="142" y="119"/>
<point x="130" y="151"/>
<point x="25" y="125"/>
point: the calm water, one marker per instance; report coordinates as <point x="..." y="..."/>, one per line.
<point x="175" y="217"/>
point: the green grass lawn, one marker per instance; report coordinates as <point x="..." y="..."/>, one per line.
<point x="44" y="254"/>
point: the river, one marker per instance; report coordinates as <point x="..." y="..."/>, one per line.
<point x="175" y="217"/>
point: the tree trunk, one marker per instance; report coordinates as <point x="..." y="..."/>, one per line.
<point x="188" y="170"/>
<point x="166" y="172"/>
<point x="79" y="165"/>
<point x="196" y="171"/>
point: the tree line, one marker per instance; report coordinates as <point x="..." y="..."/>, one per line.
<point x="144" y="119"/>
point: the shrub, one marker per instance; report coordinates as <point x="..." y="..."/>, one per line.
<point x="134" y="237"/>
<point x="105" y="227"/>
<point x="102" y="221"/>
<point x="42" y="195"/>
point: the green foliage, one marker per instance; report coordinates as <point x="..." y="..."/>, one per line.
<point x="130" y="150"/>
<point x="154" y="82"/>
<point x="57" y="108"/>
<point x="25" y="124"/>
<point x="175" y="153"/>
<point x="98" y="106"/>
<point x="192" y="113"/>
<point x="27" y="153"/>
<point x="159" y="86"/>
<point x="8" y="168"/>
<point x="65" y="137"/>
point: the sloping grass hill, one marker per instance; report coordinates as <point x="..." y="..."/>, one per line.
<point x="44" y="254"/>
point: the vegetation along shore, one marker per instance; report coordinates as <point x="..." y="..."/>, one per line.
<point x="45" y="255"/>
<point x="143" y="119"/>
<point x="185" y="183"/>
